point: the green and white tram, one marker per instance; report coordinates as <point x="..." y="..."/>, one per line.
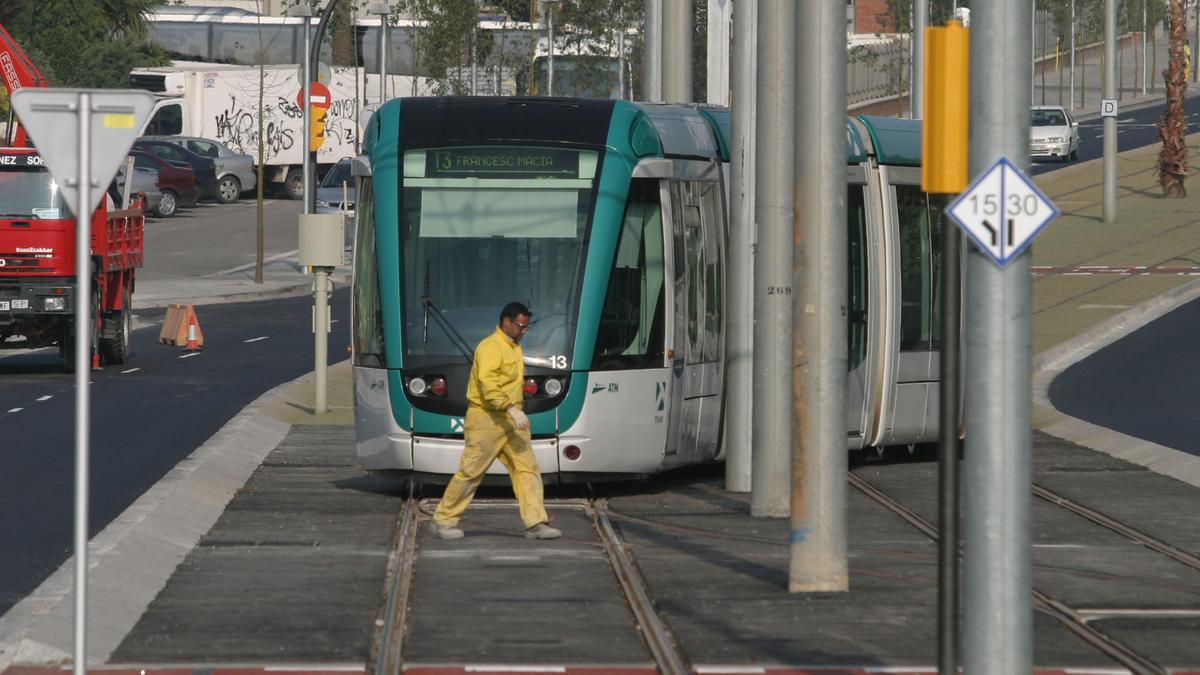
<point x="609" y="220"/>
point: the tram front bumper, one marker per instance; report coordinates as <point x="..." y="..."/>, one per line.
<point x="441" y="455"/>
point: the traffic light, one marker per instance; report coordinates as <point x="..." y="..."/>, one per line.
<point x="316" y="134"/>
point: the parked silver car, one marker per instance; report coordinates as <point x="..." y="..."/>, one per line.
<point x="144" y="181"/>
<point x="335" y="194"/>
<point x="235" y="171"/>
<point x="1053" y="133"/>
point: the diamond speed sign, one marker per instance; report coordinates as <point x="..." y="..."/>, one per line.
<point x="1002" y="211"/>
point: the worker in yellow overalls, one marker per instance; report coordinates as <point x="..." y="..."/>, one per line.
<point x="497" y="428"/>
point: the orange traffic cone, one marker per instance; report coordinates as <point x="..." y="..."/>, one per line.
<point x="95" y="360"/>
<point x="192" y="341"/>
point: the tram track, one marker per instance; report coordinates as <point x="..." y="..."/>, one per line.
<point x="393" y="625"/>
<point x="388" y="646"/>
<point x="663" y="647"/>
<point x="1074" y="620"/>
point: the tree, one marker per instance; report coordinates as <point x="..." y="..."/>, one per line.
<point x="1172" y="159"/>
<point x="84" y="43"/>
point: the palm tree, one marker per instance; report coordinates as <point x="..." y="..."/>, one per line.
<point x="1172" y="159"/>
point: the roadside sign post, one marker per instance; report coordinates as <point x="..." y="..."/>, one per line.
<point x="83" y="136"/>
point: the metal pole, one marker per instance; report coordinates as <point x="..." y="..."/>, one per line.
<point x="1032" y="50"/>
<point x="819" y="455"/>
<point x="550" y="48"/>
<point x="83" y="367"/>
<point x="1110" y="122"/>
<point x="1144" y="67"/>
<point x="383" y="54"/>
<point x="948" y="418"/>
<point x="719" y="41"/>
<point x="321" y="335"/>
<point x="652" y="58"/>
<point x="309" y="196"/>
<point x="1195" y="42"/>
<point x="621" y="52"/>
<point x="916" y="94"/>
<point x="474" y="59"/>
<point x="1072" y="105"/>
<point x="739" y="351"/>
<point x="998" y="603"/>
<point x="677" y="21"/>
<point x="774" y="170"/>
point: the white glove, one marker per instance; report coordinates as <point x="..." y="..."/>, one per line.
<point x="520" y="421"/>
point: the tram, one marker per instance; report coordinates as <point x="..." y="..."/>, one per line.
<point x="609" y="220"/>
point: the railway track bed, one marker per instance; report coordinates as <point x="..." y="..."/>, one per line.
<point x="713" y="578"/>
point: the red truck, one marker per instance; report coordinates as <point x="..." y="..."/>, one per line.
<point x="37" y="264"/>
<point x="37" y="247"/>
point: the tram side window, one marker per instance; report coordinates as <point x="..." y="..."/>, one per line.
<point x="856" y="212"/>
<point x="919" y="259"/>
<point x="631" y="323"/>
<point x="712" y="210"/>
<point x="368" y="316"/>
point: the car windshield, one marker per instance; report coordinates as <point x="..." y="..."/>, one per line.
<point x="484" y="226"/>
<point x="31" y="192"/>
<point x="338" y="174"/>
<point x="1049" y="118"/>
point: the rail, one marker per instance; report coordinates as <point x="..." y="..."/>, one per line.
<point x="1070" y="618"/>
<point x="388" y="651"/>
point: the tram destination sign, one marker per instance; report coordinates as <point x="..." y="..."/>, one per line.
<point x="1002" y="211"/>
<point x="502" y="162"/>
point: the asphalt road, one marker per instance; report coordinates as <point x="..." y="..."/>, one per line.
<point x="1142" y="385"/>
<point x="146" y="417"/>
<point x="1135" y="129"/>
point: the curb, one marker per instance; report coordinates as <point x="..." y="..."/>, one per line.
<point x="132" y="559"/>
<point x="292" y="290"/>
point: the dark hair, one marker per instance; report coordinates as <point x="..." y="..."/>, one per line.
<point x="512" y="310"/>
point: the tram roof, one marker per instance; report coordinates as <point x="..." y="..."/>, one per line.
<point x="891" y="140"/>
<point x="684" y="131"/>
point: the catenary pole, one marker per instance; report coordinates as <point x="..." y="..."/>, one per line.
<point x="740" y="348"/>
<point x="677" y="22"/>
<point x="652" y="58"/>
<point x="998" y="634"/>
<point x="83" y="373"/>
<point x="1145" y="69"/>
<point x="773" y="209"/>
<point x="305" y="13"/>
<point x="1072" y="104"/>
<point x="1110" y="122"/>
<point x="916" y="94"/>
<point x="719" y="41"/>
<point x="819" y="454"/>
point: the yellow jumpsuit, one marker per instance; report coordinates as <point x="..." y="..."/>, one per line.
<point x="496" y="384"/>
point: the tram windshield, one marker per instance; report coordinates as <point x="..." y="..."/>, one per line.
<point x="483" y="226"/>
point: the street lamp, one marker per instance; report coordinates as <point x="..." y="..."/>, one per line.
<point x="383" y="10"/>
<point x="549" y="6"/>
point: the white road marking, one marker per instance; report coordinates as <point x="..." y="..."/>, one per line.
<point x="514" y="669"/>
<point x="265" y="337"/>
<point x="16" y="410"/>
<point x="131" y="370"/>
<point x="188" y="356"/>
<point x="47" y="397"/>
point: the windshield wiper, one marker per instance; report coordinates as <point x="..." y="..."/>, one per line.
<point x="428" y="304"/>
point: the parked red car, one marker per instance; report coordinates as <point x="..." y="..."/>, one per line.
<point x="177" y="183"/>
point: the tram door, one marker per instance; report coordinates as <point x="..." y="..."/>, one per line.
<point x="861" y="387"/>
<point x="697" y="230"/>
<point x="916" y="228"/>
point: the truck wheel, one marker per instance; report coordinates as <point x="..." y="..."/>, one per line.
<point x="166" y="207"/>
<point x="228" y="189"/>
<point x="114" y="337"/>
<point x="293" y="185"/>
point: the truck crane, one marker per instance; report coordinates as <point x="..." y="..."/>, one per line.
<point x="37" y="247"/>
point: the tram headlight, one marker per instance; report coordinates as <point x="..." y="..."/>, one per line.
<point x="553" y="386"/>
<point x="417" y="386"/>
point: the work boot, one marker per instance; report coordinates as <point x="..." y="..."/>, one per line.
<point x="542" y="531"/>
<point x="445" y="531"/>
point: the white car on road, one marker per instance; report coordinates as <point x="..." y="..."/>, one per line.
<point x="1053" y="134"/>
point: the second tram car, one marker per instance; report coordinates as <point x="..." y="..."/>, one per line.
<point x="609" y="220"/>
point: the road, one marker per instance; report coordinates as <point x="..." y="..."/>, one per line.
<point x="150" y="414"/>
<point x="1135" y="129"/>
